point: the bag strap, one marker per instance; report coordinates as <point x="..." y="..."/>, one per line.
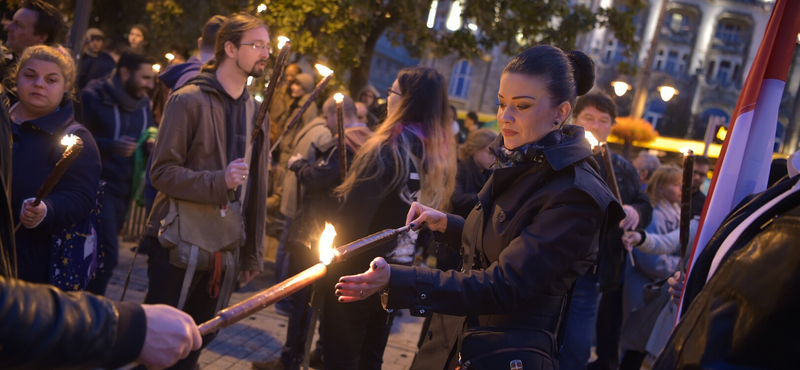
<point x="188" y="276"/>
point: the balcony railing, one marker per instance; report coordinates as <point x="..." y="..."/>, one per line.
<point x="728" y="46"/>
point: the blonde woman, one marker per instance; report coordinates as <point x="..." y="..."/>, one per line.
<point x="411" y="157"/>
<point x="44" y="79"/>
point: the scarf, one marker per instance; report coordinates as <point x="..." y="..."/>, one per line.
<point x="526" y="153"/>
<point x="116" y="89"/>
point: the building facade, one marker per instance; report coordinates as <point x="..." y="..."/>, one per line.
<point x="705" y="50"/>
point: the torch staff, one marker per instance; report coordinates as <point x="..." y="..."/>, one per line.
<point x="277" y="292"/>
<point x="612" y="180"/>
<point x="325" y="71"/>
<point x="74" y="147"/>
<point x="285" y="45"/>
<point x="686" y="203"/>
<point x="339" y="99"/>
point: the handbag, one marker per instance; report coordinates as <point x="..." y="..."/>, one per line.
<point x="503" y="347"/>
<point x="208" y="227"/>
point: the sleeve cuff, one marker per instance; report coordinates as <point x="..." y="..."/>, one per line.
<point x="131" y="331"/>
<point x="451" y="235"/>
<point x="411" y="287"/>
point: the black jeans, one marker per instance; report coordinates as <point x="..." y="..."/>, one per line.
<point x="165" y="285"/>
<point x="112" y="217"/>
<point x="300" y="258"/>
<point x="354" y="335"/>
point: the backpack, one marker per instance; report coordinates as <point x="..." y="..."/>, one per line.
<point x="74" y="250"/>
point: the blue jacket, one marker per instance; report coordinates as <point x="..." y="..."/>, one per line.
<point x="108" y="121"/>
<point x="36" y="149"/>
<point x="179" y="74"/>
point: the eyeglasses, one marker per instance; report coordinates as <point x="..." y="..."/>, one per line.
<point x="389" y="92"/>
<point x="258" y="46"/>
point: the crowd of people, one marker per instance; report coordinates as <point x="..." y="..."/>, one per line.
<point x="536" y="263"/>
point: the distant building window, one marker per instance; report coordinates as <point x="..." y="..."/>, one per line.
<point x="460" y="80"/>
<point x="728" y="31"/>
<point x="724" y="71"/>
<point x="678" y="23"/>
<point x="672" y="62"/>
<point x="454" y="18"/>
<point x="432" y="14"/>
<point x="655" y="111"/>
<point x="710" y="71"/>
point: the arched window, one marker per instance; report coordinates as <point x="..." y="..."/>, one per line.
<point x="729" y="31"/>
<point x="460" y="80"/>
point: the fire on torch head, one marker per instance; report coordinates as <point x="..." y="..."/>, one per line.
<point x="324" y="71"/>
<point x="69" y="140"/>
<point x="326" y="253"/>
<point x="282" y="40"/>
<point x="338" y="98"/>
<point x="592" y="141"/>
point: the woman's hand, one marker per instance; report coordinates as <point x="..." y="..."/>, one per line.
<point x="630" y="239"/>
<point x="419" y="214"/>
<point x="676" y="287"/>
<point x="357" y="287"/>
<point x="31" y="216"/>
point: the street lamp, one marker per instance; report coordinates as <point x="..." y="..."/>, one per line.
<point x="621" y="86"/>
<point x="667" y="92"/>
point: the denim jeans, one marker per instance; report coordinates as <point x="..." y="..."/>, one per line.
<point x="580" y="332"/>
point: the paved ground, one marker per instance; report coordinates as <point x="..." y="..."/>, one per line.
<point x="261" y="336"/>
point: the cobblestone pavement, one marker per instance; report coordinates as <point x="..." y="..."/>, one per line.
<point x="260" y="336"/>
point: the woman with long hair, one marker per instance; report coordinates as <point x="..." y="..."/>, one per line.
<point x="411" y="157"/>
<point x="534" y="230"/>
<point x="44" y="79"/>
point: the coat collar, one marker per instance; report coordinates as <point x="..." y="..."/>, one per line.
<point x="54" y="122"/>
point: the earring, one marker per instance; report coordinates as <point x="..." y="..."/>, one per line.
<point x="556" y="123"/>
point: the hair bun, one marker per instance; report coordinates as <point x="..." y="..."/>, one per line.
<point x="583" y="67"/>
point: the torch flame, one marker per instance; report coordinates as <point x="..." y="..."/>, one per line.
<point x="69" y="140"/>
<point x="592" y="141"/>
<point x="282" y="40"/>
<point x="325" y="241"/>
<point x="338" y="98"/>
<point x="324" y="71"/>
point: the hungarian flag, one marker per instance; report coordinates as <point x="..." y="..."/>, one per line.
<point x="743" y="169"/>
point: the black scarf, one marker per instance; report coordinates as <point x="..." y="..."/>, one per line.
<point x="526" y="153"/>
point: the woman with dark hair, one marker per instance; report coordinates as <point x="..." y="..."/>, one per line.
<point x="137" y="38"/>
<point x="534" y="230"/>
<point x="474" y="161"/>
<point x="44" y="79"/>
<point x="411" y="157"/>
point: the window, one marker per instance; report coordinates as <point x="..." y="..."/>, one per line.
<point x="460" y="80"/>
<point x="736" y="71"/>
<point x="432" y="14"/>
<point x="672" y="62"/>
<point x="677" y="22"/>
<point x="728" y="31"/>
<point x="724" y="72"/>
<point x="710" y="71"/>
<point x="655" y="111"/>
<point x="454" y="18"/>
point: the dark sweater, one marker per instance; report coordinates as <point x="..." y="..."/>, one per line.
<point x="36" y="149"/>
<point x="99" y="106"/>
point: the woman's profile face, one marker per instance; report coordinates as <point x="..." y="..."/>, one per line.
<point x="40" y="85"/>
<point x="525" y="112"/>
<point x="393" y="98"/>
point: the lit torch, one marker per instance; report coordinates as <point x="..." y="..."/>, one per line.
<point x="327" y="74"/>
<point x="686" y="203"/>
<point x="609" y="165"/>
<point x="74" y="146"/>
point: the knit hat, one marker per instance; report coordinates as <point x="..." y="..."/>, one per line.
<point x="306" y="81"/>
<point x="94" y="32"/>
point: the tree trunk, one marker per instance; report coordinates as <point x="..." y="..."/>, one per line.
<point x="359" y="76"/>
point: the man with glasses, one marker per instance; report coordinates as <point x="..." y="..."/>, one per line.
<point x="205" y="160"/>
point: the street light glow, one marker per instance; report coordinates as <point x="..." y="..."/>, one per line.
<point x="472" y="26"/>
<point x="667" y="92"/>
<point x="454" y="18"/>
<point x="170" y="56"/>
<point x="620" y="87"/>
<point x="432" y="14"/>
<point x="262" y="8"/>
<point x="156" y="68"/>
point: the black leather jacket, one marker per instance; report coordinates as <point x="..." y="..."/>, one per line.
<point x="42" y="327"/>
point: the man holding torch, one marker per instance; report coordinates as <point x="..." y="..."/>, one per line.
<point x="596" y="113"/>
<point x="208" y="219"/>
